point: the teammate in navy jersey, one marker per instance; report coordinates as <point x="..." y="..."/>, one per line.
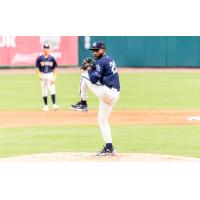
<point x="46" y="70"/>
<point x="101" y="77"/>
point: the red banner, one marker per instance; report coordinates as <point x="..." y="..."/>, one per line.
<point x="23" y="50"/>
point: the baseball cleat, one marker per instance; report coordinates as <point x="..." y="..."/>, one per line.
<point x="107" y="152"/>
<point x="45" y="108"/>
<point x="55" y="107"/>
<point x="79" y="107"/>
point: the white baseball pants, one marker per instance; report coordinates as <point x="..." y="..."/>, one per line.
<point x="107" y="99"/>
<point x="46" y="84"/>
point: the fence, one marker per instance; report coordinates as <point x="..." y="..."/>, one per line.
<point x="135" y="51"/>
<point x="147" y="51"/>
<point x="22" y="51"/>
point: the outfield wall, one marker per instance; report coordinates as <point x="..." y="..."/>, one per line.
<point x="147" y="51"/>
<point x="22" y="51"/>
<point x="128" y="51"/>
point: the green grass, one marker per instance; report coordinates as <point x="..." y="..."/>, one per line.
<point x="138" y="91"/>
<point x="160" y="91"/>
<point x="174" y="140"/>
<point x="171" y="90"/>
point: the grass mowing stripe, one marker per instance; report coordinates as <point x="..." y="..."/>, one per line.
<point x="170" y="90"/>
<point x="174" y="140"/>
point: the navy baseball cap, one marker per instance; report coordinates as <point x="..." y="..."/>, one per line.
<point x="46" y="46"/>
<point x="98" y="45"/>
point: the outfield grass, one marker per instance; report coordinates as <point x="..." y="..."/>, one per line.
<point x="174" y="140"/>
<point x="171" y="90"/>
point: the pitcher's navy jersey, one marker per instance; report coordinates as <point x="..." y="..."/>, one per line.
<point x="105" y="72"/>
<point x="46" y="65"/>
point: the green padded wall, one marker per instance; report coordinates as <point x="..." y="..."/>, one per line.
<point x="147" y="51"/>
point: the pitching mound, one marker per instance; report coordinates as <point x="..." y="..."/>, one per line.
<point x="91" y="157"/>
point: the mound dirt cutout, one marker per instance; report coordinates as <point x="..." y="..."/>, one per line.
<point x="91" y="157"/>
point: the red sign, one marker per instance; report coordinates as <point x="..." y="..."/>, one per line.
<point x="23" y="50"/>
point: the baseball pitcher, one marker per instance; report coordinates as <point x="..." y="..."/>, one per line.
<point x="101" y="77"/>
<point x="46" y="71"/>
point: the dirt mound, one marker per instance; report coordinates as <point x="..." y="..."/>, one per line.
<point x="91" y="157"/>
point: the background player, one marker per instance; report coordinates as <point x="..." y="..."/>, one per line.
<point x="46" y="70"/>
<point x="101" y="77"/>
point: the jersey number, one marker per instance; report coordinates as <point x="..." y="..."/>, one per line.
<point x="113" y="67"/>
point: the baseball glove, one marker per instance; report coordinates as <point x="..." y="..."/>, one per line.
<point x="88" y="63"/>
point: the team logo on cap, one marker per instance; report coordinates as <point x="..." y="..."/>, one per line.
<point x="94" y="44"/>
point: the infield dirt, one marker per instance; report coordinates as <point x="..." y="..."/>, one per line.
<point x="10" y="119"/>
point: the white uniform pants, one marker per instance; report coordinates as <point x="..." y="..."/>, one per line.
<point x="107" y="99"/>
<point x="46" y="84"/>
